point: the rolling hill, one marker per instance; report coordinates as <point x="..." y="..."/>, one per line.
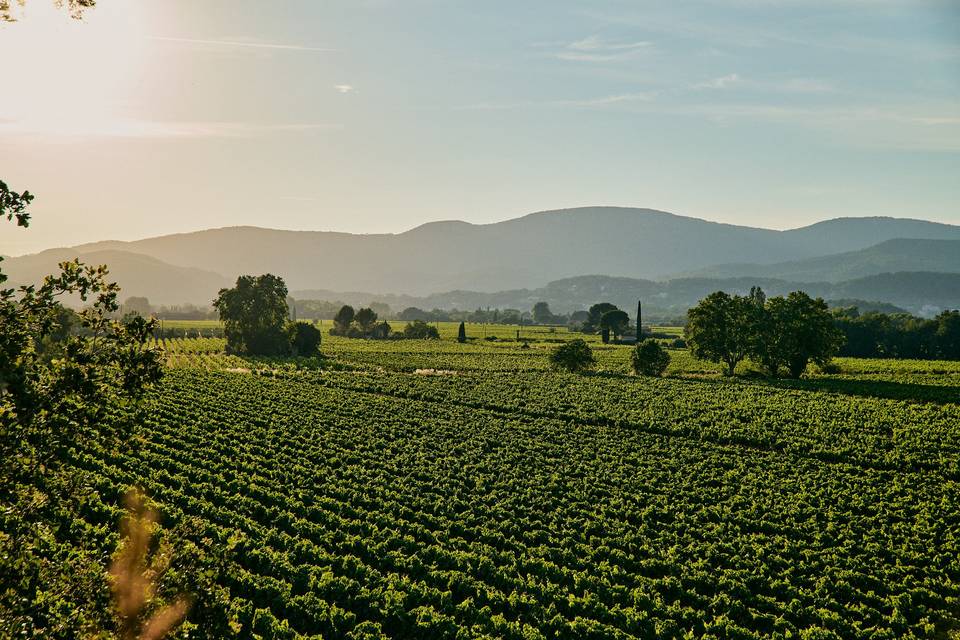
<point x="917" y="292"/>
<point x="136" y="274"/>
<point x="524" y="252"/>
<point x="891" y="256"/>
<point x="508" y="261"/>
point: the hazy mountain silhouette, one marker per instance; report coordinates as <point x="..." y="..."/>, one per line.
<point x="443" y="256"/>
<point x="135" y="273"/>
<point x="913" y="291"/>
<point x="524" y="252"/>
<point x="887" y="257"/>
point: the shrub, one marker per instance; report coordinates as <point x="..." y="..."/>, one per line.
<point x="573" y="356"/>
<point x="381" y="331"/>
<point x="304" y="338"/>
<point x="418" y="329"/>
<point x="650" y="359"/>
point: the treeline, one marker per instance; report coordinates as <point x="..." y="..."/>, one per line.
<point x="881" y="335"/>
<point x="781" y="334"/>
<point x="363" y="323"/>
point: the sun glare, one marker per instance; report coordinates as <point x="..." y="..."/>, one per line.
<point x="71" y="77"/>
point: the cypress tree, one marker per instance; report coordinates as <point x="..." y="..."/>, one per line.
<point x="462" y="333"/>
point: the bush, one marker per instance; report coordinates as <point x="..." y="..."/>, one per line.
<point x="573" y="356"/>
<point x="304" y="339"/>
<point x="381" y="331"/>
<point x="650" y="359"/>
<point x="420" y="330"/>
<point x="679" y="343"/>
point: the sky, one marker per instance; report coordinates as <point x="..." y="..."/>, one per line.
<point x="161" y="116"/>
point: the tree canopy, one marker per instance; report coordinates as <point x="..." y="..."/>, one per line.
<point x="254" y="315"/>
<point x="573" y="356"/>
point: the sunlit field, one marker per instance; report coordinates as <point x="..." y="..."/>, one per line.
<point x="425" y="488"/>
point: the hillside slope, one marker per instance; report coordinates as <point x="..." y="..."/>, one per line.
<point x="136" y="274"/>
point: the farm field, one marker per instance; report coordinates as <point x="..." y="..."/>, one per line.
<point x="428" y="489"/>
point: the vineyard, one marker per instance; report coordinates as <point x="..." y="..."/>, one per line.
<point x="428" y="489"/>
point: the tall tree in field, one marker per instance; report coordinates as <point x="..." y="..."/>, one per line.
<point x="366" y="318"/>
<point x="462" y="333"/>
<point x="802" y="331"/>
<point x="596" y="312"/>
<point x="720" y="329"/>
<point x="542" y="314"/>
<point x="343" y="320"/>
<point x="254" y="315"/>
<point x="615" y="321"/>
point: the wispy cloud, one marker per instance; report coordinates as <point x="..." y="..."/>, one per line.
<point x="719" y="83"/>
<point x="789" y="85"/>
<point x="343" y="88"/>
<point x="251" y="44"/>
<point x="596" y="49"/>
<point x="585" y="103"/>
<point x="132" y="128"/>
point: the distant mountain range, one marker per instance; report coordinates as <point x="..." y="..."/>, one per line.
<point x="523" y="253"/>
<point x="887" y="257"/>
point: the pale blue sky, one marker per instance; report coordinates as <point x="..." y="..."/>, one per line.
<point x="157" y="116"/>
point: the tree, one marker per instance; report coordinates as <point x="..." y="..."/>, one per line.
<point x="381" y="331"/>
<point x="304" y="338"/>
<point x="67" y="380"/>
<point x="799" y="330"/>
<point x="365" y="318"/>
<point x="418" y="329"/>
<point x="615" y="321"/>
<point x="596" y="312"/>
<point x="462" y="333"/>
<point x="414" y="313"/>
<point x="382" y="308"/>
<point x="948" y="335"/>
<point x="138" y="305"/>
<point x="573" y="356"/>
<point x="254" y="315"/>
<point x="720" y="329"/>
<point x="649" y="358"/>
<point x="343" y="320"/>
<point x="542" y="314"/>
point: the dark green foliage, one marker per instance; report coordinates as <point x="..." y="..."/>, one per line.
<point x="420" y="330"/>
<point x="541" y="313"/>
<point x="573" y="356"/>
<point x="67" y="381"/>
<point x="795" y="331"/>
<point x="381" y="331"/>
<point x="304" y="338"/>
<point x="343" y="320"/>
<point x="365" y="319"/>
<point x="649" y="358"/>
<point x="721" y="329"/>
<point x="462" y="333"/>
<point x="616" y="321"/>
<point x="254" y="315"/>
<point x="777" y="333"/>
<point x="595" y="314"/>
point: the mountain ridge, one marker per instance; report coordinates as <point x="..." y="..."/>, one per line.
<point x="524" y="252"/>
